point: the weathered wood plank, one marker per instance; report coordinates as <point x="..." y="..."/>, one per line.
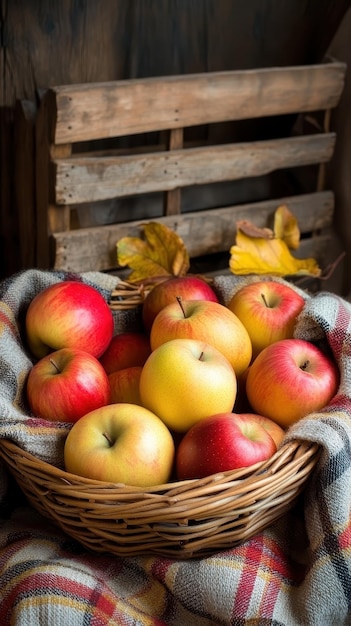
<point x="89" y="179"/>
<point x="203" y="232"/>
<point x="59" y="217"/>
<point x="99" y="110"/>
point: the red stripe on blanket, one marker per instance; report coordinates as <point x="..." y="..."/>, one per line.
<point x="250" y="554"/>
<point x="43" y="585"/>
<point x="345" y="538"/>
<point x="340" y="402"/>
<point x="338" y="336"/>
<point x="160" y="567"/>
<point x="5" y="320"/>
<point x="264" y="562"/>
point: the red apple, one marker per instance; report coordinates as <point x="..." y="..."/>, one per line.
<point x="268" y="309"/>
<point x="242" y="405"/>
<point x="276" y="431"/>
<point x="126" y="349"/>
<point x="125" y="385"/>
<point x="207" y="321"/>
<point x="120" y="443"/>
<point x="69" y="314"/>
<point x="186" y="287"/>
<point x="290" y="379"/>
<point x="185" y="380"/>
<point x="222" y="442"/>
<point x="66" y="384"/>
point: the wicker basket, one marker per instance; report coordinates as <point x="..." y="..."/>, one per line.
<point x="127" y="296"/>
<point x="183" y="519"/>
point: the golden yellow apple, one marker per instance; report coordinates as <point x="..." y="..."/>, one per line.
<point x="185" y="380"/>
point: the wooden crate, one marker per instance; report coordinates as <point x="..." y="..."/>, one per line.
<point x="89" y="152"/>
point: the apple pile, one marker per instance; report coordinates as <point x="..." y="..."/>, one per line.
<point x="205" y="388"/>
<point x="68" y="326"/>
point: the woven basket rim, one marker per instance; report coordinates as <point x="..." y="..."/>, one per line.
<point x="184" y="519"/>
<point x="252" y="473"/>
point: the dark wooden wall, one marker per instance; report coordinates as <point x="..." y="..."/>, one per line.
<point x="48" y="42"/>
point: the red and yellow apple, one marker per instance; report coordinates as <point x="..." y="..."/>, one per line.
<point x="68" y="314"/>
<point x="268" y="309"/>
<point x="276" y="431"/>
<point x="185" y="380"/>
<point x="290" y="379"/>
<point x="66" y="384"/>
<point x="124" y="385"/>
<point x="186" y="287"/>
<point x="207" y="321"/>
<point x="120" y="443"/>
<point x="126" y="349"/>
<point x="223" y="442"/>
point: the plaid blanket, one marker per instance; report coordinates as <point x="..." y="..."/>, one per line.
<point x="295" y="573"/>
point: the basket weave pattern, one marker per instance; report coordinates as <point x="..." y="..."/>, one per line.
<point x="182" y="519"/>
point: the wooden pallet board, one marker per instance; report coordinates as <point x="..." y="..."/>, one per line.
<point x="89" y="179"/>
<point x="95" y="248"/>
<point x="93" y="111"/>
<point x="73" y="170"/>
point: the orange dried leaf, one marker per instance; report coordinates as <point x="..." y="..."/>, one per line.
<point x="160" y="252"/>
<point x="267" y="256"/>
<point x="286" y="227"/>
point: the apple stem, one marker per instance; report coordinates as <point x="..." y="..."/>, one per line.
<point x="55" y="366"/>
<point x="305" y="365"/>
<point x="265" y="301"/>
<point x="201" y="356"/>
<point x="107" y="436"/>
<point x="180" y="302"/>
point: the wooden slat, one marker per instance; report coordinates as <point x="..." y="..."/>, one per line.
<point x="203" y="232"/>
<point x="59" y="218"/>
<point x="99" y="110"/>
<point x="173" y="200"/>
<point x="89" y="179"/>
<point x="61" y="151"/>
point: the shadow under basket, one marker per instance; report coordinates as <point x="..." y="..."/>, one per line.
<point x="184" y="519"/>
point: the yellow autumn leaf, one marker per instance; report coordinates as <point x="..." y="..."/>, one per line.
<point x="286" y="227"/>
<point x="258" y="255"/>
<point x="160" y="252"/>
